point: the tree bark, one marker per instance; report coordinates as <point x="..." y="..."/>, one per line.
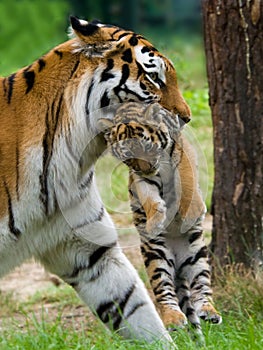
<point x="233" y="32"/>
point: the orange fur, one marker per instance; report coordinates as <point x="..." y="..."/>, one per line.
<point x="191" y="204"/>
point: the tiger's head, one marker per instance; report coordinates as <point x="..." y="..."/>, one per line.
<point x="127" y="67"/>
<point x="141" y="135"/>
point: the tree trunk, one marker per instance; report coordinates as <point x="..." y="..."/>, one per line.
<point x="233" y="31"/>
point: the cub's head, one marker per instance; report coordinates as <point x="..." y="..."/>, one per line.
<point x="141" y="136"/>
<point x="125" y="67"/>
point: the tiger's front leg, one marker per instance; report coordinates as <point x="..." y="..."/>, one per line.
<point x="106" y="281"/>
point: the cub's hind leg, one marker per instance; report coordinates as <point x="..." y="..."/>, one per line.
<point x="158" y="259"/>
<point x="192" y="266"/>
<point x="160" y="266"/>
<point x="107" y="283"/>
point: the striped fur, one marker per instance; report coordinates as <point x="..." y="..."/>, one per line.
<point x="49" y="140"/>
<point x="168" y="210"/>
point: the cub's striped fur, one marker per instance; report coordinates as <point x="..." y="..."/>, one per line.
<point x="167" y="209"/>
<point x="49" y="140"/>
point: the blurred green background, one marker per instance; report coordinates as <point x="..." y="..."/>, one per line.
<point x="28" y="29"/>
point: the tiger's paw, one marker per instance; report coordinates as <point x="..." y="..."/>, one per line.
<point x="210" y="314"/>
<point x="173" y="319"/>
<point x="155" y="223"/>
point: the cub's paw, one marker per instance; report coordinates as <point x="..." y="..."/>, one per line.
<point x="210" y="314"/>
<point x="173" y="319"/>
<point x="155" y="223"/>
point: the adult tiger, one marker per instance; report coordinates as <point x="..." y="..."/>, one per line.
<point x="47" y="119"/>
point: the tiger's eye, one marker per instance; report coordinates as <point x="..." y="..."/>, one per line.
<point x="153" y="76"/>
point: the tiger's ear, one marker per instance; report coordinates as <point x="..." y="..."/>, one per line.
<point x="94" y="37"/>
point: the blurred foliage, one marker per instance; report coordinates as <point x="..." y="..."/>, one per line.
<point x="29" y="29"/>
<point x="138" y="14"/>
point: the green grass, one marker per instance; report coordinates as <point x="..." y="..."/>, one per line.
<point x="30" y="326"/>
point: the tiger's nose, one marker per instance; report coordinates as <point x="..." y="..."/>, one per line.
<point x="185" y="118"/>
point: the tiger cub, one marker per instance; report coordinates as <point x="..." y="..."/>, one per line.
<point x="168" y="209"/>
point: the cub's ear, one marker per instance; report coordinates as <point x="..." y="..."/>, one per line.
<point x="105" y="124"/>
<point x="153" y="113"/>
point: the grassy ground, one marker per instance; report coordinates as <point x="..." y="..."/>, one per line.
<point x="56" y="319"/>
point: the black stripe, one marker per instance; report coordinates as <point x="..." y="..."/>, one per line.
<point x="74" y="69"/>
<point x="127" y="56"/>
<point x="113" y="310"/>
<point x="202" y="253"/>
<point x="143" y="86"/>
<point x="172" y="149"/>
<point x="121" y="307"/>
<point x="47" y="144"/>
<point x="17" y="170"/>
<point x="86" y="183"/>
<point x="58" y="53"/>
<point x="87" y="101"/>
<point x="30" y="79"/>
<point x="105" y="101"/>
<point x="105" y="74"/>
<point x="149" y="65"/>
<point x="11" y="80"/>
<point x="157" y="273"/>
<point x="149" y="257"/>
<point x="156" y="276"/>
<point x="116" y="31"/>
<point x="204" y="273"/>
<point x="184" y="300"/>
<point x="194" y="236"/>
<point x="133" y="41"/>
<point x="197" y="287"/>
<point x="45" y="162"/>
<point x="123" y="35"/>
<point x="153" y="182"/>
<point x="59" y="105"/>
<point x="189" y="311"/>
<point x="94" y="258"/>
<point x="145" y="49"/>
<point x="11" y="222"/>
<point x="140" y="69"/>
<point x="103" y="311"/>
<point x="97" y="255"/>
<point x="134" y="309"/>
<point x="155" y="253"/>
<point x="183" y="286"/>
<point x="164" y="295"/>
<point x="95" y="219"/>
<point x="41" y="64"/>
<point x="164" y="284"/>
<point x="80" y="267"/>
<point x="125" y="74"/>
<point x="163" y="137"/>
